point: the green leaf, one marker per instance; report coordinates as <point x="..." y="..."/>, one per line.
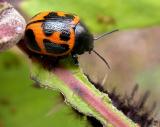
<point x="105" y="14"/>
<point x="22" y="105"/>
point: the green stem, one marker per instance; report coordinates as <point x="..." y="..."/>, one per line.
<point x="87" y="95"/>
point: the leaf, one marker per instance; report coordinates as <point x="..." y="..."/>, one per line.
<point x="80" y="93"/>
<point x="22" y="105"/>
<point x="104" y="15"/>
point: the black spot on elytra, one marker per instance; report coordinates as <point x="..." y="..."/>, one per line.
<point x="54" y="48"/>
<point x="54" y="15"/>
<point x="47" y="28"/>
<point x="30" y="40"/>
<point x="70" y="16"/>
<point x="65" y="35"/>
<point x="48" y="32"/>
<point x="51" y="15"/>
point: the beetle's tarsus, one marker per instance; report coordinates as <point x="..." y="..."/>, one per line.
<point x="75" y="59"/>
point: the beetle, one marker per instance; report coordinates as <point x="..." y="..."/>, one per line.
<point x="59" y="34"/>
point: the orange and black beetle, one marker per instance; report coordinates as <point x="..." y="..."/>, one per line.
<point x="58" y="34"/>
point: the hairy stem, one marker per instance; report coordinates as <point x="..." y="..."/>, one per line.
<point x="86" y="94"/>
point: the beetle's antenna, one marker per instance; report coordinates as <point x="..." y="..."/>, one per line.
<point x="107" y="33"/>
<point x="101" y="58"/>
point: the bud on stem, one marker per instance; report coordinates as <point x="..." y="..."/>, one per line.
<point x="12" y="26"/>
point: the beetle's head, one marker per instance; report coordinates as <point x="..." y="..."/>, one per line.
<point x="83" y="39"/>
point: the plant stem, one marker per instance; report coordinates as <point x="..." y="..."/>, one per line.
<point x="90" y="98"/>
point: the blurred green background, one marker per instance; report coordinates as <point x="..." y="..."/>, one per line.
<point x="133" y="54"/>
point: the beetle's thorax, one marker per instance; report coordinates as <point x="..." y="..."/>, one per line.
<point x="83" y="39"/>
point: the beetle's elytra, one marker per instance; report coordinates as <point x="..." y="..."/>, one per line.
<point x="58" y="34"/>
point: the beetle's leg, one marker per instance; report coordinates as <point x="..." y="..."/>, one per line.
<point x="52" y="62"/>
<point x="49" y="62"/>
<point x="75" y="59"/>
